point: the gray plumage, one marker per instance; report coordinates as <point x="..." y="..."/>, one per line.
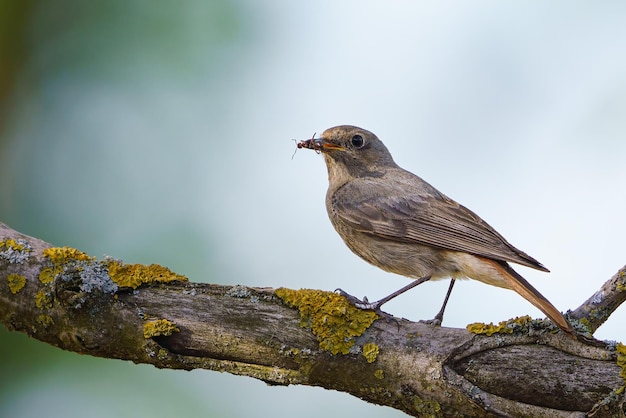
<point x="396" y="221"/>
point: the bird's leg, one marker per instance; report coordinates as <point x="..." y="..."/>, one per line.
<point x="364" y="304"/>
<point x="438" y="319"/>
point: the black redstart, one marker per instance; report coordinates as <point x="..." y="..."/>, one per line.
<point x="396" y="221"/>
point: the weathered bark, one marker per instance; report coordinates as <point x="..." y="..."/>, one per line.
<point x="147" y="314"/>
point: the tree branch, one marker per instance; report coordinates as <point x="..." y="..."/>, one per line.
<point x="148" y="314"/>
<point x="599" y="307"/>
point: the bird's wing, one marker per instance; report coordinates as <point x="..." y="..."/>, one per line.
<point x="425" y="219"/>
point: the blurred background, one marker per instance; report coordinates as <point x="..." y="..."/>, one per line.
<point x="162" y="132"/>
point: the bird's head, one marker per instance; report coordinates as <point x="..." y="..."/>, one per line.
<point x="351" y="152"/>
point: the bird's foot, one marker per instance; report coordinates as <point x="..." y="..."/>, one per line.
<point x="435" y="322"/>
<point x="358" y="303"/>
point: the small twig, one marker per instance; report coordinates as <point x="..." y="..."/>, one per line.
<point x="599" y="307"/>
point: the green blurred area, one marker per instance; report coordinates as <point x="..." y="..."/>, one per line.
<point x="110" y="45"/>
<point x="13" y="25"/>
<point x="71" y="72"/>
<point x="42" y="380"/>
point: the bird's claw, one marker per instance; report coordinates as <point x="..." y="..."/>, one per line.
<point x="435" y="322"/>
<point x="358" y="303"/>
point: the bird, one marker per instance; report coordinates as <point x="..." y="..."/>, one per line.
<point x="398" y="222"/>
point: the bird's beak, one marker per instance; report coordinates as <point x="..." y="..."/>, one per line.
<point x="320" y="144"/>
<point x="329" y="146"/>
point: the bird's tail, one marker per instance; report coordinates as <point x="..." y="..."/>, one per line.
<point x="528" y="292"/>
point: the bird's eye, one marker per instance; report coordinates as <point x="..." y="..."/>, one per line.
<point x="357" y="141"/>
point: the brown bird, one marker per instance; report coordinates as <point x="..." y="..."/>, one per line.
<point x="396" y="221"/>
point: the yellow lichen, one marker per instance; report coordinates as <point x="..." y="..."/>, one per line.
<point x="15" y="251"/>
<point x="163" y="354"/>
<point x="586" y="322"/>
<point x="621" y="359"/>
<point x="60" y="256"/>
<point x="16" y="282"/>
<point x="621" y="283"/>
<point x="42" y="300"/>
<point x="45" y="320"/>
<point x="621" y="280"/>
<point x="370" y="352"/>
<point x="379" y="374"/>
<point x="426" y="408"/>
<point x="134" y="275"/>
<point x="14" y="245"/>
<point x="123" y="275"/>
<point x="332" y="319"/>
<point x="489" y="329"/>
<point x="160" y="327"/>
<point x="291" y="352"/>
<point x="47" y="274"/>
<point x="503" y="327"/>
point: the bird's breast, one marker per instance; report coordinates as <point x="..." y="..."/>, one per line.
<point x="410" y="260"/>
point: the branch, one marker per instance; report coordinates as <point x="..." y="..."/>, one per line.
<point x="599" y="307"/>
<point x="148" y="314"/>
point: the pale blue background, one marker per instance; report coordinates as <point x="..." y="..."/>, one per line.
<point x="161" y="132"/>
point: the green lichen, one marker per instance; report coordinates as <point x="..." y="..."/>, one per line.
<point x="379" y="374"/>
<point x="503" y="327"/>
<point x="159" y="327"/>
<point x="135" y="275"/>
<point x="370" y="352"/>
<point x="332" y="319"/>
<point x="16" y="282"/>
<point x="42" y="300"/>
